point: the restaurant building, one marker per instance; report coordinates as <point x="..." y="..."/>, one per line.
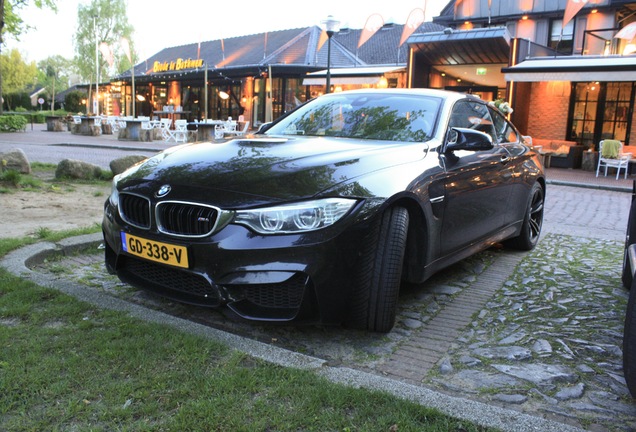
<point x="259" y="76"/>
<point x="568" y="73"/>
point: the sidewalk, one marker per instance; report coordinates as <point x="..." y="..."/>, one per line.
<point x="588" y="179"/>
<point x="37" y="134"/>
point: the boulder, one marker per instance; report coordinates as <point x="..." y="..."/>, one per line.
<point x="118" y="166"/>
<point x="75" y="169"/>
<point x="15" y="160"/>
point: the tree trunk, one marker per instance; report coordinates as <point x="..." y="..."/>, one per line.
<point x="53" y="98"/>
<point x="1" y="42"/>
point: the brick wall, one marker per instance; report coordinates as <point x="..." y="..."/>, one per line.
<point x="549" y="114"/>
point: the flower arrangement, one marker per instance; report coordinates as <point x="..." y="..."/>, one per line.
<point x="502" y="105"/>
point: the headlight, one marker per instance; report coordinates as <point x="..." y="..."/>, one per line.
<point x="114" y="193"/>
<point x="295" y="218"/>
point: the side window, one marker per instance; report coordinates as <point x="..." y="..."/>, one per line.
<point x="505" y="131"/>
<point x="473" y="115"/>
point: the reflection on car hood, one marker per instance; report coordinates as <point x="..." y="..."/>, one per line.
<point x="270" y="168"/>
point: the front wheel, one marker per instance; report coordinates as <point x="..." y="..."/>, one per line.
<point x="532" y="222"/>
<point x="629" y="342"/>
<point x="379" y="273"/>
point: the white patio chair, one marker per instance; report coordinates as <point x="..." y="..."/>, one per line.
<point x="230" y="126"/>
<point x="166" y="133"/>
<point x="610" y="155"/>
<point x="242" y="131"/>
<point x="181" y="131"/>
<point x="219" y="131"/>
<point x="114" y="123"/>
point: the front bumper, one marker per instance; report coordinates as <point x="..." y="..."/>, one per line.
<point x="266" y="278"/>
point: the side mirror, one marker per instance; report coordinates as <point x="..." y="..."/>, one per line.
<point x="263" y="127"/>
<point x="468" y="139"/>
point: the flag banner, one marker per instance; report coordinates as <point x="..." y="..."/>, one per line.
<point x="125" y="45"/>
<point x="322" y="40"/>
<point x="571" y="9"/>
<point x="373" y="24"/>
<point x="628" y="32"/>
<point x="107" y="53"/>
<point x="415" y="19"/>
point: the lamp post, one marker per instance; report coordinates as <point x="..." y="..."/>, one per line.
<point x="95" y="99"/>
<point x="331" y="26"/>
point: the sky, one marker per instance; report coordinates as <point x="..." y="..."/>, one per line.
<point x="161" y="24"/>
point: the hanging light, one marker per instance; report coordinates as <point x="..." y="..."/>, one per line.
<point x="223" y="95"/>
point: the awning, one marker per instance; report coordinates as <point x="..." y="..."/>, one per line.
<point x="351" y="76"/>
<point x="464" y="47"/>
<point x="573" y="68"/>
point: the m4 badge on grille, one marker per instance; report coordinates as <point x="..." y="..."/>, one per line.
<point x="163" y="191"/>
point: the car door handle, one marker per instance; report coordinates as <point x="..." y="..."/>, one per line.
<point x="436" y="200"/>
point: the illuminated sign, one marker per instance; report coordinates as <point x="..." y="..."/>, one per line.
<point x="178" y="64"/>
<point x="481" y="71"/>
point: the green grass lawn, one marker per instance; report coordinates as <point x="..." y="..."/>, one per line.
<point x="70" y="366"/>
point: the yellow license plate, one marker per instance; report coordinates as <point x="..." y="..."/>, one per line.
<point x="164" y="253"/>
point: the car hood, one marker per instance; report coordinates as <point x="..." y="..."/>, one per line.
<point x="264" y="170"/>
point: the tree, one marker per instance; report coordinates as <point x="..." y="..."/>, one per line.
<point x="54" y="74"/>
<point x="75" y="101"/>
<point x="17" y="74"/>
<point x="101" y="22"/>
<point x="12" y="23"/>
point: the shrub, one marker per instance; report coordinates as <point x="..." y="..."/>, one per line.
<point x="39" y="117"/>
<point x="12" y="176"/>
<point x="12" y="123"/>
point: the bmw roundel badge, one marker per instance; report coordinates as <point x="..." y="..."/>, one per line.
<point x="163" y="191"/>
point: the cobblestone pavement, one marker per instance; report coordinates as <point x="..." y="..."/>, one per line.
<point x="537" y="332"/>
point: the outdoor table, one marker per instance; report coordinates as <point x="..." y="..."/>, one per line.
<point x="546" y="158"/>
<point x="87" y="127"/>
<point x="55" y="124"/>
<point x="590" y="160"/>
<point x="205" y="130"/>
<point x="134" y="132"/>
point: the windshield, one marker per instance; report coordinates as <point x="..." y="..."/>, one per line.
<point x="377" y="116"/>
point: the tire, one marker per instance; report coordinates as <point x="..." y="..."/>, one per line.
<point x="629" y="342"/>
<point x="630" y="238"/>
<point x="532" y="222"/>
<point x="379" y="273"/>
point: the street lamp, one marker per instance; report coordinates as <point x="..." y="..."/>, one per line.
<point x="95" y="100"/>
<point x="331" y="26"/>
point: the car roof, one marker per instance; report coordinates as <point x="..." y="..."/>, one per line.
<point x="444" y="94"/>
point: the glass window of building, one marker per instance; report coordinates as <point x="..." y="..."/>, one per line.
<point x="561" y="39"/>
<point x="601" y="111"/>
